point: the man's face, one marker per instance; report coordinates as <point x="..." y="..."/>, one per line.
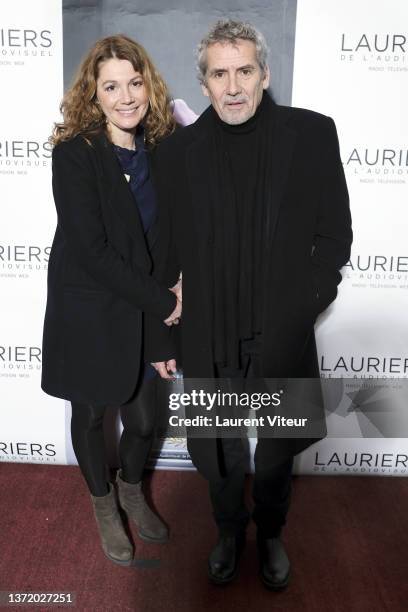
<point x="234" y="81"/>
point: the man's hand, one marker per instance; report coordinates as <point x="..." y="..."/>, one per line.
<point x="165" y="367"/>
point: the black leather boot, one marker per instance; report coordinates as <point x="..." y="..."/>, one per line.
<point x="223" y="559"/>
<point x="274" y="563"/>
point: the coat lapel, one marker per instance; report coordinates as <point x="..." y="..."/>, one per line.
<point x="119" y="195"/>
<point x="201" y="189"/>
<point x="283" y="144"/>
<point x="201" y="185"/>
<point x="153" y="232"/>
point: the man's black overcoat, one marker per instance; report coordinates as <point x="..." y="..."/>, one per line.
<point x="308" y="241"/>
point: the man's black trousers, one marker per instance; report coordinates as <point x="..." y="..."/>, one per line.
<point x="271" y="484"/>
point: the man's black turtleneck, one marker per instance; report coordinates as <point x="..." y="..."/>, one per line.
<point x="239" y="142"/>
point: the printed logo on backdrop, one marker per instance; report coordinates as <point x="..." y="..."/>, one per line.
<point x="20" y="362"/>
<point x="20" y="46"/>
<point x="23" y="261"/>
<point x="362" y="409"/>
<point x="379" y="52"/>
<point x="360" y="462"/>
<point x="33" y="452"/>
<point x="373" y="164"/>
<point x="375" y="271"/>
<point x="368" y="408"/>
<point x="363" y="365"/>
<point x="21" y="157"/>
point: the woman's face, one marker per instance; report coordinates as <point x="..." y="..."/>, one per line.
<point x="122" y="96"/>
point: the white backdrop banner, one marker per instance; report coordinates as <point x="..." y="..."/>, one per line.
<point x="32" y="424"/>
<point x="351" y="63"/>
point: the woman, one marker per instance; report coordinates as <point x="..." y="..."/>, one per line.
<point x="99" y="279"/>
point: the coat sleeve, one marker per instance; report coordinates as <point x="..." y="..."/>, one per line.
<point x="333" y="233"/>
<point x="80" y="219"/>
<point x="160" y="341"/>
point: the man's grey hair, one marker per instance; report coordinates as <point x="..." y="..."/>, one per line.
<point x="229" y="31"/>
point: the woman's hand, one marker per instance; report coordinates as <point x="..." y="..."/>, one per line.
<point x="178" y="288"/>
<point x="174" y="318"/>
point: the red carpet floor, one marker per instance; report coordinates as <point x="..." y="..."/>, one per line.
<point x="347" y="538"/>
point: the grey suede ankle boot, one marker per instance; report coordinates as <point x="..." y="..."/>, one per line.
<point x="132" y="500"/>
<point x="115" y="543"/>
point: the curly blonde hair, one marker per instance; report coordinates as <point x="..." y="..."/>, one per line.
<point x="79" y="108"/>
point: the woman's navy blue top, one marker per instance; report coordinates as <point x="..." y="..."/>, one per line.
<point x="136" y="165"/>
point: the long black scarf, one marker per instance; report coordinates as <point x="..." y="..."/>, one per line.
<point x="239" y="238"/>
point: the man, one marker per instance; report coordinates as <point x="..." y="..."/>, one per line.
<point x="261" y="225"/>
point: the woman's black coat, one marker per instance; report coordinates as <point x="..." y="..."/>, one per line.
<point x="308" y="241"/>
<point x="99" y="278"/>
